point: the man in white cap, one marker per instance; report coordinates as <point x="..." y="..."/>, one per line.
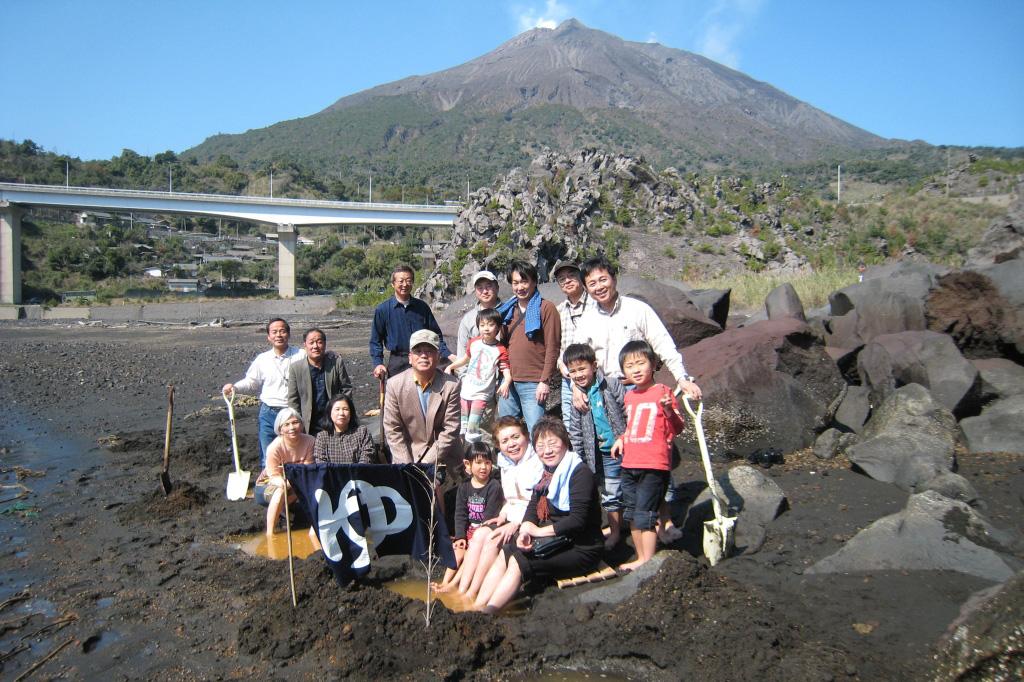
<point x="421" y="410"/>
<point x="485" y="288"/>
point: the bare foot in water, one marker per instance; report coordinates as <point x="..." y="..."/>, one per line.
<point x="442" y="588"/>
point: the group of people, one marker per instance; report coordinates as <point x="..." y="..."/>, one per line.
<point x="610" y="449"/>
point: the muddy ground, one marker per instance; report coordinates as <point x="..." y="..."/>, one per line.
<point x="100" y="569"/>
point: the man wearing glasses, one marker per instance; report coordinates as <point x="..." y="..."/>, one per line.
<point x="395" y="320"/>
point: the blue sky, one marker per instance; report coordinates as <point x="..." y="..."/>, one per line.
<point x="90" y="78"/>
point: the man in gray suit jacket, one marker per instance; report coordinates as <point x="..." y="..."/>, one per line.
<point x="421" y="409"/>
<point x="313" y="383"/>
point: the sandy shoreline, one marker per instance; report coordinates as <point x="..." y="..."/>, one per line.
<point x="158" y="589"/>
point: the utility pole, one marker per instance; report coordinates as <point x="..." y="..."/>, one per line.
<point x="947" y="172"/>
<point x="271" y="182"/>
<point x="170" y="180"/>
<point x="371" y="188"/>
<point x="839" y="183"/>
<point x="67" y="173"/>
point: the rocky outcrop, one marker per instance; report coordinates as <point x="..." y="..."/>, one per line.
<point x="1003" y="240"/>
<point x="784" y="302"/>
<point x="767" y="385"/>
<point x="932" y="533"/>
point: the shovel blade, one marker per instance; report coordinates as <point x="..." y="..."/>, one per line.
<point x="238" y="485"/>
<point x="719" y="540"/>
<point x="165" y="483"/>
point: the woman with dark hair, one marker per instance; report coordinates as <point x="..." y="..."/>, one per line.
<point x="343" y="440"/>
<point x="560" y="535"/>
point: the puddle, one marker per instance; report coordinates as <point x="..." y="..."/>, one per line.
<point x="416" y="588"/>
<point x="276" y="546"/>
<point x="104" y="602"/>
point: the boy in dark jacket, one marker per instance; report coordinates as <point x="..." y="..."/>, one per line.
<point x="594" y="431"/>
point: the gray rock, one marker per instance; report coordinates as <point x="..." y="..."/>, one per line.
<point x="713" y="302"/>
<point x="953" y="486"/>
<point x="908" y="441"/>
<point x="1003" y="239"/>
<point x="827" y="444"/>
<point x="1000" y="378"/>
<point x="853" y="412"/>
<point x="932" y="533"/>
<point x="1008" y="277"/>
<point x="847" y="441"/>
<point x="920" y="357"/>
<point x="753" y="498"/>
<point x="999" y="428"/>
<point x="888" y="301"/>
<point x="783" y="302"/>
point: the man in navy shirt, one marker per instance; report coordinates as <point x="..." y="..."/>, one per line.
<point x="395" y="320"/>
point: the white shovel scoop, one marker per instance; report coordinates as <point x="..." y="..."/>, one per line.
<point x="719" y="539"/>
<point x="238" y="480"/>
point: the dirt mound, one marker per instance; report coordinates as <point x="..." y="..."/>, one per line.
<point x="967" y="306"/>
<point x="202" y="447"/>
<point x="367" y="627"/>
<point x="673" y="627"/>
<point x="156" y="506"/>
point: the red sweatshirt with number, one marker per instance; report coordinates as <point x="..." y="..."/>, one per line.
<point x="650" y="428"/>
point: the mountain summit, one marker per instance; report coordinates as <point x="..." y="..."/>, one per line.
<point x="566" y="87"/>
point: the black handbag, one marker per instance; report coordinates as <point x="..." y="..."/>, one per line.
<point x="545" y="548"/>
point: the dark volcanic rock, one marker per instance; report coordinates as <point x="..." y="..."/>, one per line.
<point x="908" y="441"/>
<point x="1000" y="378"/>
<point x="1003" y="240"/>
<point x="714" y="303"/>
<point x="783" y="302"/>
<point x="970" y="308"/>
<point x="920" y="357"/>
<point x="985" y="640"/>
<point x="854" y="410"/>
<point x="767" y="385"/>
<point x="931" y="533"/>
<point x="999" y="427"/>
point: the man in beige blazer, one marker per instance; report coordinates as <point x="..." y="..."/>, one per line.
<point x="421" y="409"/>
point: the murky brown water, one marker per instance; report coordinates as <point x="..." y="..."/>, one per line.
<point x="276" y="546"/>
<point x="416" y="588"/>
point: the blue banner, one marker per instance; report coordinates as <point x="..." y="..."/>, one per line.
<point x="354" y="506"/>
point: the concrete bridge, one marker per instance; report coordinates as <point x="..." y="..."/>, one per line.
<point x="287" y="215"/>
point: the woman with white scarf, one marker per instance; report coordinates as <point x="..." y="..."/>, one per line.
<point x="560" y="535"/>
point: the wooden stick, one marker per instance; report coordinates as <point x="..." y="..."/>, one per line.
<point x="288" y="530"/>
<point x="14" y="600"/>
<point x="14" y="652"/>
<point x="43" y="660"/>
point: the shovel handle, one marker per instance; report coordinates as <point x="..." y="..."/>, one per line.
<point x="167" y="433"/>
<point x="229" y="398"/>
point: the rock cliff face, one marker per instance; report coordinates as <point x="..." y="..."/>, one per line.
<point x="572" y="207"/>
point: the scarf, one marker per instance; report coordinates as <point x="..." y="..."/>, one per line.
<point x="554" y="485"/>
<point x="532" y="322"/>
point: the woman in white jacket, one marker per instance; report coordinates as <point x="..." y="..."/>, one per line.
<point x="520" y="470"/>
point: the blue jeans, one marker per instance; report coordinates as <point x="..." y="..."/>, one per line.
<point x="265" y="430"/>
<point x="522" y="402"/>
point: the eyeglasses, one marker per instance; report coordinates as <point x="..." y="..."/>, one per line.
<point x="422" y="351"/>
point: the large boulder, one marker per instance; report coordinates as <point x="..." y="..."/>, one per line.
<point x="854" y="410"/>
<point x="753" y="498"/>
<point x="713" y="302"/>
<point x="908" y="441"/>
<point x="999" y="427"/>
<point x="890" y="299"/>
<point x="1000" y="378"/>
<point x="766" y="385"/>
<point x="783" y="302"/>
<point x="1008" y="278"/>
<point x="921" y="357"/>
<point x="933" y="533"/>
<point x="970" y="308"/>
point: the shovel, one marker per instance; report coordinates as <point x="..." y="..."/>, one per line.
<point x="718" y="533"/>
<point x="238" y="480"/>
<point x="165" y="478"/>
<point x="385" y="451"/>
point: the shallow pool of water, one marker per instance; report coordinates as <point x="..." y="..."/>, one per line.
<point x="276" y="546"/>
<point x="416" y="588"/>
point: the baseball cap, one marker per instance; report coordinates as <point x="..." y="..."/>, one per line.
<point x="484" y="274"/>
<point x="424" y="336"/>
<point x="562" y="265"/>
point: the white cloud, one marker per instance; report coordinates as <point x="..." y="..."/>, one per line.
<point x="550" y="16"/>
<point x="721" y="28"/>
<point x="652" y="37"/>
